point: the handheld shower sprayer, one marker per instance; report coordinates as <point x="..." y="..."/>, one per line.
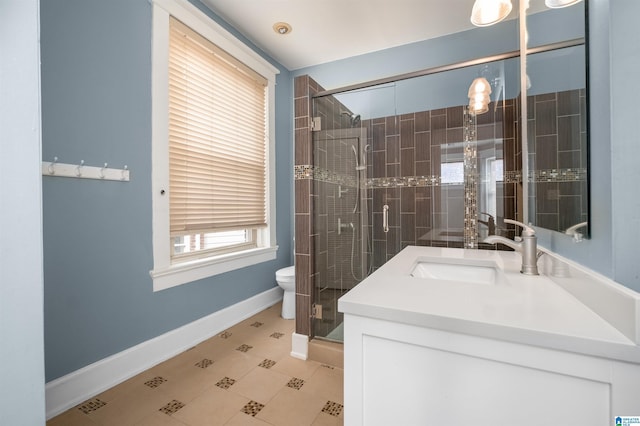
<point x="359" y="166"/>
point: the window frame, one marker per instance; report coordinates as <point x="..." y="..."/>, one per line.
<point x="165" y="273"/>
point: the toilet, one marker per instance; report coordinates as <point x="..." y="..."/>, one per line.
<point x="286" y="279"/>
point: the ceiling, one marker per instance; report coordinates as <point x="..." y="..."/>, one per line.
<point x="328" y="30"/>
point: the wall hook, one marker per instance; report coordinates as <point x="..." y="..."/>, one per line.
<point x="83" y="171"/>
<point x="52" y="170"/>
<point x="79" y="168"/>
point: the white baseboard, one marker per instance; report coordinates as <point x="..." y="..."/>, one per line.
<point x="80" y="385"/>
<point x="299" y="346"/>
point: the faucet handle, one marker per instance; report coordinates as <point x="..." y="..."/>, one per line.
<point x="527" y="231"/>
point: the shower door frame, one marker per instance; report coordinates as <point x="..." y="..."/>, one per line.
<point x="332" y="182"/>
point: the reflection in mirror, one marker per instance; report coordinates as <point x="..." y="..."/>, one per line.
<point x="557" y="120"/>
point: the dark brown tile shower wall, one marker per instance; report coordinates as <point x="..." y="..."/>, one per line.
<point x="304" y="88"/>
<point x="415" y="145"/>
<point x="402" y="147"/>
<point x="557" y="141"/>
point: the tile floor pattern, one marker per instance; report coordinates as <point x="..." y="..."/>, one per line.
<point x="242" y="376"/>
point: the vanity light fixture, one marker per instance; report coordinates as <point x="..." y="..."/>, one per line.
<point x="479" y="99"/>
<point x="282" y="28"/>
<point x="557" y="4"/>
<point x="489" y="12"/>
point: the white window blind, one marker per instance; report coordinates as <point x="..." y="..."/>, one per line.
<point x="217" y="138"/>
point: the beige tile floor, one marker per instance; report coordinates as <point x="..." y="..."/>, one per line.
<point x="243" y="376"/>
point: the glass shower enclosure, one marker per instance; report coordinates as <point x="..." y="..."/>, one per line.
<point x="407" y="163"/>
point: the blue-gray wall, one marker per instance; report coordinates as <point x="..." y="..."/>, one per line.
<point x="96" y="106"/>
<point x="625" y="146"/>
<point x="614" y="175"/>
<point x="553" y="71"/>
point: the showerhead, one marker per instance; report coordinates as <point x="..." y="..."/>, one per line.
<point x="355" y="119"/>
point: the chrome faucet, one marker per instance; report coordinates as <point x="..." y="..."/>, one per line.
<point x="490" y="223"/>
<point x="526" y="245"/>
<point x="573" y="231"/>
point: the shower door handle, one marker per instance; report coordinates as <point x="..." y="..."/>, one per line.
<point x="385" y="218"/>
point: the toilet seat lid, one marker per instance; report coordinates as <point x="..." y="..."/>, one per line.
<point x="287" y="272"/>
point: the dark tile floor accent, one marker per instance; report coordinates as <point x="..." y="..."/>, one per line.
<point x="267" y="363"/>
<point x="204" y="363"/>
<point x="172" y="407"/>
<point x="155" y="382"/>
<point x="244" y="348"/>
<point x="252" y="408"/>
<point x="91" y="405"/>
<point x="332" y="408"/>
<point x="295" y="383"/>
<point x="225" y="383"/>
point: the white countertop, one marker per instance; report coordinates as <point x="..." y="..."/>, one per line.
<point x="524" y="309"/>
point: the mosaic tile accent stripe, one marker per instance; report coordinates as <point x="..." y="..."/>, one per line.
<point x="310" y="172"/>
<point x="155" y="382"/>
<point x="91" y="405"/>
<point x="510" y="176"/>
<point x="302" y="172"/>
<point x="470" y="152"/>
<point x="332" y="408"/>
<point x="397" y="182"/>
<point x="558" y="175"/>
<point x="252" y="408"/>
<point x="548" y="175"/>
<point x="322" y="175"/>
<point x="172" y="407"/>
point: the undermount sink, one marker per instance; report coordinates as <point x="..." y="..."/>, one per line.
<point x="477" y="273"/>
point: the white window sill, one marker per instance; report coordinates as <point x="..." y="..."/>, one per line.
<point x="182" y="273"/>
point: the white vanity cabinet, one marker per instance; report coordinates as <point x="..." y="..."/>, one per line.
<point x="420" y="353"/>
<point x="398" y="374"/>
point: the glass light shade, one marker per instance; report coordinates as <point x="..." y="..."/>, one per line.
<point x="557" y="4"/>
<point x="489" y="12"/>
<point x="479" y="86"/>
<point x="479" y="99"/>
<point x="478" y="107"/>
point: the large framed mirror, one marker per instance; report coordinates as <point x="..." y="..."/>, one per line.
<point x="557" y="116"/>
